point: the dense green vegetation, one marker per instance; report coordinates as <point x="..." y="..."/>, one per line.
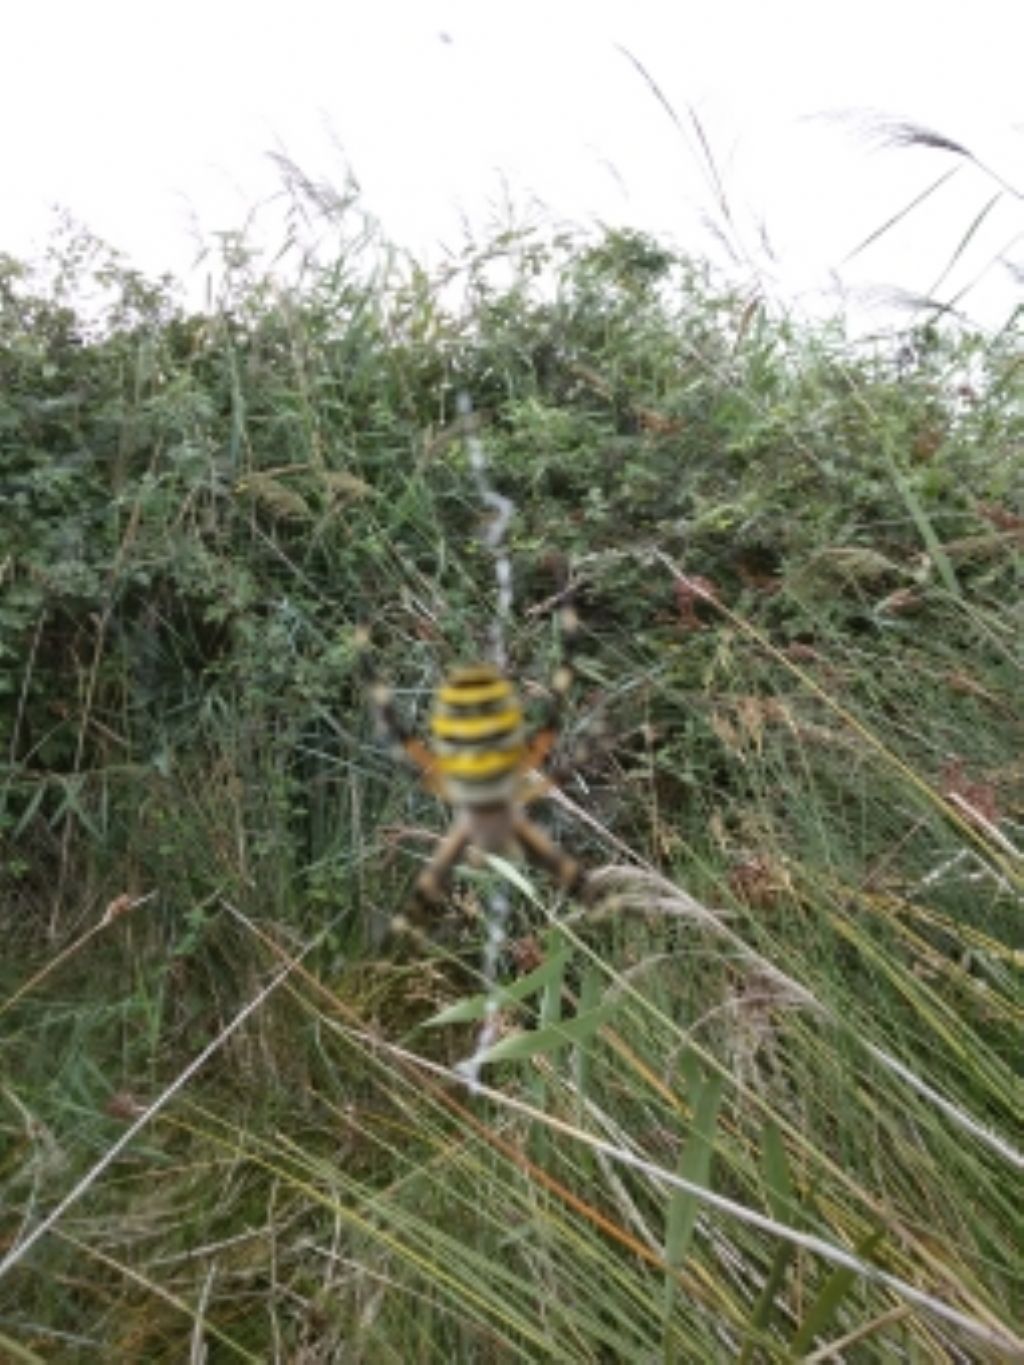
<point x="796" y="737"/>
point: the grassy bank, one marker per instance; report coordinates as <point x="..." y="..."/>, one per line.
<point x="762" y="1098"/>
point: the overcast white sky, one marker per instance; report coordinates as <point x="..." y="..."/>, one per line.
<point x="146" y="120"/>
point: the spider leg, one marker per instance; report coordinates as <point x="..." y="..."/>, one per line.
<point x="545" y="736"/>
<point x="430" y="886"/>
<point x="406" y="745"/>
<point x="540" y="745"/>
<point x="565" y="674"/>
<point x="533" y="786"/>
<point x="546" y="854"/>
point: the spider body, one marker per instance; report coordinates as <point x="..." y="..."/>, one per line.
<point x="478" y="738"/>
<point x="482" y="762"/>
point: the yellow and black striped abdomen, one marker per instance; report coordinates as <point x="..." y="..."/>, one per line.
<point x="477" y="735"/>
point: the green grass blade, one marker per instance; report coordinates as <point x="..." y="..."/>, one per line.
<point x="518" y="1047"/>
<point x="827" y="1303"/>
<point x="474" y="1007"/>
<point x="695" y="1166"/>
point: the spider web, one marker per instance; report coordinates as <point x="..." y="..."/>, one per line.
<point x="502" y="511"/>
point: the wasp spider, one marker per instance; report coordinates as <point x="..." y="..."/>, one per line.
<point x="481" y="761"/>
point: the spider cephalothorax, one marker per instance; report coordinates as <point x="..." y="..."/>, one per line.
<point x="481" y="761"/>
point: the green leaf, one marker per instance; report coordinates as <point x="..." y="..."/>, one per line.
<point x="694" y="1166"/>
<point x="510" y="873"/>
<point x="590" y="994"/>
<point x="782" y="1203"/>
<point x="519" y="1046"/>
<point x="691" y="1072"/>
<point x="551" y="995"/>
<point x="775" y="1170"/>
<point x="836" y="1287"/>
<point x="475" y="1006"/>
<point x="28" y="814"/>
<point x="767" y="1298"/>
<point x="70" y="804"/>
<point x="923" y="523"/>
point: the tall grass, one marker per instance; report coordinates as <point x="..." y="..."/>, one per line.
<point x="763" y="1101"/>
